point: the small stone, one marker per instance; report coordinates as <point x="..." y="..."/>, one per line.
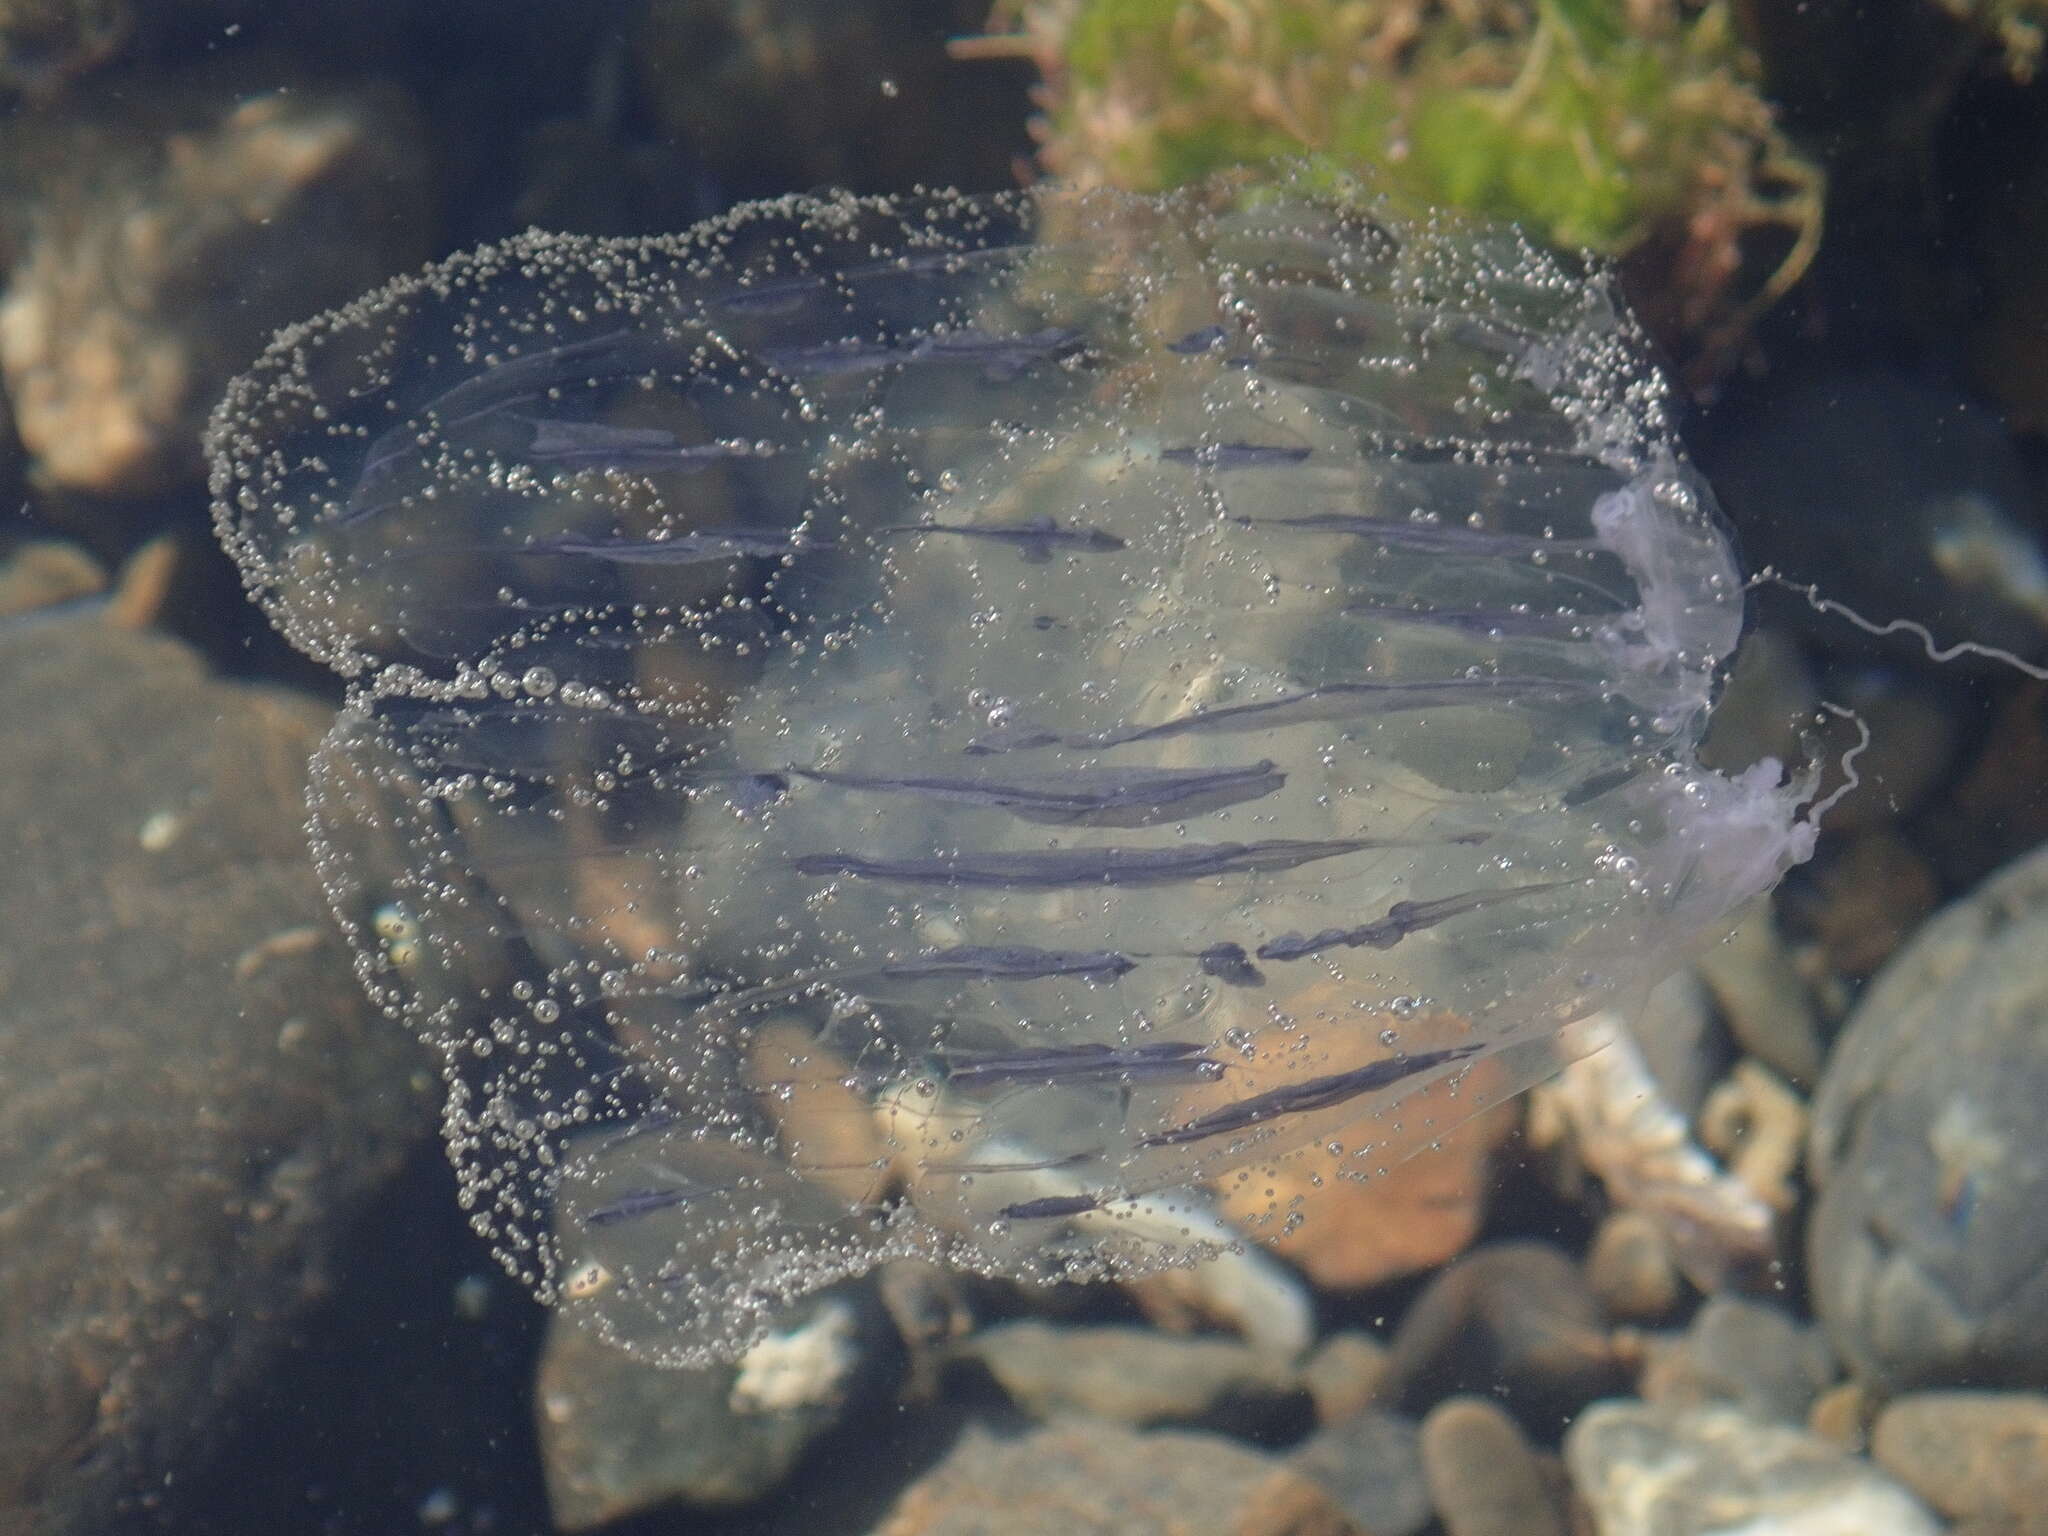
<point x="1138" y="1376"/>
<point x="1682" y="1042"/>
<point x="1931" y="1152"/>
<point x="1843" y="1415"/>
<point x="1744" y="1352"/>
<point x="1371" y="1463"/>
<point x="1515" y="1320"/>
<point x="1483" y="1477"/>
<point x="44" y="572"/>
<point x="1633" y="1268"/>
<point x="1972" y="1455"/>
<point x="1343" y="1375"/>
<point x="1760" y="993"/>
<point x="1096" y="1479"/>
<point x="1647" y="1471"/>
<point x="619" y="1436"/>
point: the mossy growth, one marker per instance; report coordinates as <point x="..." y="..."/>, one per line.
<point x="1594" y="123"/>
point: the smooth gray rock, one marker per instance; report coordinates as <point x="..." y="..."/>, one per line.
<point x="195" y="1098"/>
<point x="1138" y="1376"/>
<point x="619" y="1436"/>
<point x="1929" y="1242"/>
<point x="1748" y="1353"/>
<point x="1371" y="1463"/>
<point x="1646" y="1471"/>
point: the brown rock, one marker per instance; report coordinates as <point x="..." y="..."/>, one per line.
<point x="1515" y="1319"/>
<point x="1483" y="1477"/>
<point x="1633" y="1269"/>
<point x="1843" y="1414"/>
<point x="47" y="571"/>
<point x="1099" y="1480"/>
<point x="1347" y="1230"/>
<point x="1972" y="1455"/>
<point x="1874" y="891"/>
<point x="1344" y="1373"/>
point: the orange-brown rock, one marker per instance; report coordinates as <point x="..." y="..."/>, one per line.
<point x="1350" y="1221"/>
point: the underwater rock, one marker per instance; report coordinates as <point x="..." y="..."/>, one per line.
<point x="1979" y="1456"/>
<point x="1139" y="1376"/>
<point x="619" y="1436"/>
<point x="1512" y="1319"/>
<point x="198" y="1104"/>
<point x="1096" y="1479"/>
<point x="1632" y="129"/>
<point x="135" y="293"/>
<point x="1483" y="1474"/>
<point x="1647" y="1471"/>
<point x="1371" y="1463"/>
<point x="1736" y="1350"/>
<point x="1353" y="1233"/>
<point x="1632" y="1268"/>
<point x="1928" y="1238"/>
<point x="1133" y="688"/>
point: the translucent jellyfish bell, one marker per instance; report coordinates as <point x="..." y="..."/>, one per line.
<point x="954" y="726"/>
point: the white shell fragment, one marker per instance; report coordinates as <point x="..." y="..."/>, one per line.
<point x="933" y="727"/>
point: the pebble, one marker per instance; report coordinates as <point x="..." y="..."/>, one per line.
<point x="1715" y="1471"/>
<point x="1515" y="1320"/>
<point x="1843" y="1415"/>
<point x="1931" y="1153"/>
<point x="1371" y="1463"/>
<point x="44" y="572"/>
<point x="1343" y="1375"/>
<point x="1096" y="1479"/>
<point x="1761" y="995"/>
<point x="1748" y="1353"/>
<point x="1973" y="1455"/>
<point x="1139" y="1376"/>
<point x="1483" y="1477"/>
<point x="1633" y="1269"/>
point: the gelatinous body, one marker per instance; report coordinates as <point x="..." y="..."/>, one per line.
<point x="941" y="726"/>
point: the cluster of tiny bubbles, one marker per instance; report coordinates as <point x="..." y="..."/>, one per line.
<point x="953" y="726"/>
